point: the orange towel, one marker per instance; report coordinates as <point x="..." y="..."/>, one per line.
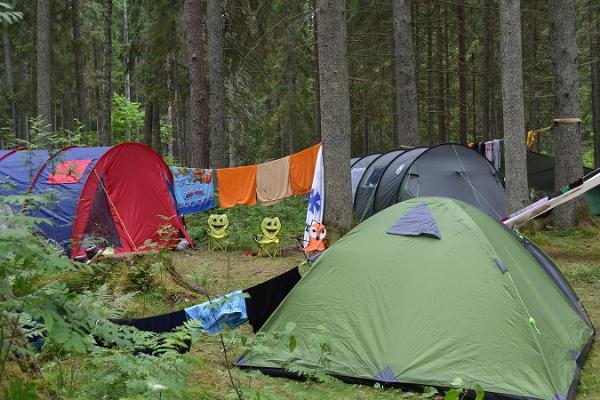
<point x="302" y="169"/>
<point x="237" y="186"/>
<point x="272" y="181"/>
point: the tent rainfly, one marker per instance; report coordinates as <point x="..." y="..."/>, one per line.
<point x="448" y="170"/>
<point x="119" y="196"/>
<point x="430" y="290"/>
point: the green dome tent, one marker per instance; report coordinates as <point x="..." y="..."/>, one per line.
<point x="429" y="290"/>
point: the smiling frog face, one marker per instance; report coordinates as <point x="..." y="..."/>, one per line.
<point x="218" y="224"/>
<point x="270" y="227"/>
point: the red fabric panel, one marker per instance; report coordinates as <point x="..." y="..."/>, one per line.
<point x="69" y="171"/>
<point x="142" y="208"/>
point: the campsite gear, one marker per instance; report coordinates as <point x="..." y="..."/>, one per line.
<point x="193" y="188"/>
<point x="158" y="323"/>
<point x="268" y="242"/>
<point x="217" y="232"/>
<point x="122" y="198"/>
<point x="448" y="170"/>
<point x="273" y="181"/>
<point x="237" y="186"/>
<point x="316" y="199"/>
<point x="317" y="242"/>
<point x="302" y="169"/>
<point x="547" y="203"/>
<point x="265" y="297"/>
<point x="214" y="314"/>
<point x="414" y="309"/>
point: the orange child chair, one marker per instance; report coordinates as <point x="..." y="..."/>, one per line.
<point x="317" y="242"/>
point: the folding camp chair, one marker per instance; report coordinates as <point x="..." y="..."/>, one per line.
<point x="217" y="232"/>
<point x="268" y="243"/>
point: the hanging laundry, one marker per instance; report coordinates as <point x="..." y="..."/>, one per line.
<point x="316" y="201"/>
<point x="237" y="186"/>
<point x="266" y="297"/>
<point x="214" y="314"/>
<point x="489" y="151"/>
<point x="157" y="324"/>
<point x="302" y="168"/>
<point x="193" y="188"/>
<point x="272" y="181"/>
<point x="497" y="153"/>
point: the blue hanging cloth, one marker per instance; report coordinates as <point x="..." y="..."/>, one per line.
<point x="193" y="188"/>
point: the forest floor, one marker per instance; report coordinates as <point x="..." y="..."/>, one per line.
<point x="576" y="252"/>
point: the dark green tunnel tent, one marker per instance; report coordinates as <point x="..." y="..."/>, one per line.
<point x="540" y="176"/>
<point x="430" y="290"/>
<point x="449" y="170"/>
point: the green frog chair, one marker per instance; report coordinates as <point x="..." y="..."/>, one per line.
<point x="217" y="232"/>
<point x="268" y="242"/>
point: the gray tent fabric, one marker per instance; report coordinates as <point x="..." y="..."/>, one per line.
<point x="447" y="170"/>
<point x="418" y="221"/>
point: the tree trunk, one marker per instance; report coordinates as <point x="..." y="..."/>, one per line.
<point x="486" y="91"/>
<point x="515" y="149"/>
<point x="82" y="114"/>
<point x="218" y="143"/>
<point x="148" y="120"/>
<point x="365" y="123"/>
<point x="430" y="105"/>
<point x="199" y="140"/>
<point x="441" y="91"/>
<point x="156" y="140"/>
<point x="567" y="139"/>
<point x="406" y="80"/>
<point x="316" y="85"/>
<point x="127" y="85"/>
<point x="43" y="58"/>
<point x="105" y="122"/>
<point x="474" y="96"/>
<point x="595" y="74"/>
<point x="335" y="112"/>
<point x="533" y="119"/>
<point x="97" y="86"/>
<point x="8" y="75"/>
<point x="291" y="71"/>
<point x="462" y="79"/>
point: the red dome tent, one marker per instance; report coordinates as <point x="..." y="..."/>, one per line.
<point x="119" y="196"/>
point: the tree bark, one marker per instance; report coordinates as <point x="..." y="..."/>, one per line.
<point x="127" y="79"/>
<point x="462" y="79"/>
<point x="218" y="140"/>
<point x="316" y="84"/>
<point x="406" y="80"/>
<point x="567" y="139"/>
<point x="515" y="149"/>
<point x="105" y="122"/>
<point x="290" y="75"/>
<point x="82" y="114"/>
<point x="430" y="96"/>
<point x="533" y="119"/>
<point x="199" y="134"/>
<point x="486" y="91"/>
<point x="335" y="112"/>
<point x="43" y="64"/>
<point x="148" y="120"/>
<point x="595" y="74"/>
<point x="441" y="91"/>
<point x="156" y="139"/>
<point x="8" y="75"/>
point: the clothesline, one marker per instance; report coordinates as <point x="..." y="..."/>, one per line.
<point x="266" y="183"/>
